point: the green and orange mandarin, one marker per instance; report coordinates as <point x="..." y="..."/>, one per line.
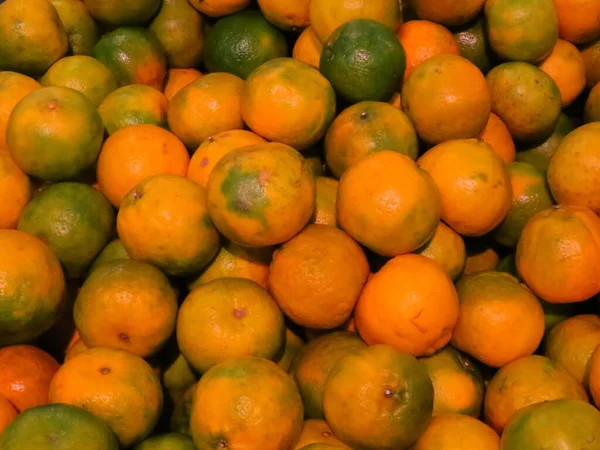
<point x="82" y="31"/>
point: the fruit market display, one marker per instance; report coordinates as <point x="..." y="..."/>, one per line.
<point x="300" y="224"/>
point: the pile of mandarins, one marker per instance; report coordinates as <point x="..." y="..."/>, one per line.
<point x="299" y="224"/>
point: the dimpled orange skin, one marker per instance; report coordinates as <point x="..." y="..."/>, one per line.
<point x="288" y="101"/>
<point x="447" y="12"/>
<point x="456" y="431"/>
<point x="164" y="220"/>
<point x="447" y="97"/>
<point x="422" y="39"/>
<point x="177" y="79"/>
<point x="574" y="169"/>
<point x="7" y="413"/>
<point x="261" y="195"/>
<point x="447" y="249"/>
<point x="566" y="67"/>
<point x="316" y="431"/>
<point x="558" y="254"/>
<point x="571" y="343"/>
<point x="134" y="153"/>
<point x="388" y="204"/>
<point x="127" y="305"/>
<point x="15" y="190"/>
<point x="308" y="48"/>
<point x="500" y="319"/>
<point x="578" y="20"/>
<point x="594" y="378"/>
<point x="210" y="152"/>
<point x="325" y="208"/>
<point x="205" y="107"/>
<point x="410" y="304"/>
<point x="25" y="376"/>
<point x="218" y="8"/>
<point x="497" y="136"/>
<point x="317" y="276"/>
<point x="523" y="382"/>
<point x="474" y="186"/>
<point x="13" y="87"/>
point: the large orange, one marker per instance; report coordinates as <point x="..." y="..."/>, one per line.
<point x="566" y="67"/>
<point x="13" y="87"/>
<point x="446" y="248"/>
<point x="571" y="343"/>
<point x="261" y="195"/>
<point x="391" y="401"/>
<point x="178" y="235"/>
<point x="558" y="254"/>
<point x="578" y="20"/>
<point x="422" y="39"/>
<point x="493" y="305"/>
<point x="25" y="376"/>
<point x="526" y="381"/>
<point x="458" y="386"/>
<point x="15" y="190"/>
<point x="229" y="318"/>
<point x="456" y="431"/>
<point x="574" y="169"/>
<point x="211" y="151"/>
<point x="288" y="101"/>
<point x="317" y="276"/>
<point x="365" y="128"/>
<point x="410" y="304"/>
<point x="32" y="288"/>
<point x="127" y="305"/>
<point x="134" y="153"/>
<point x="497" y="136"/>
<point x="315" y="431"/>
<point x="308" y="48"/>
<point x="474" y="186"/>
<point x="446" y="97"/>
<point x="116" y="386"/>
<point x="246" y="403"/>
<point x="447" y="12"/>
<point x="177" y="79"/>
<point x="388" y="204"/>
<point x="205" y="107"/>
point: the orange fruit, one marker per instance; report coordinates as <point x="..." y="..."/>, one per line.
<point x="388" y="204"/>
<point x="497" y="136"/>
<point x="293" y="344"/>
<point x="591" y="59"/>
<point x="327" y="15"/>
<point x="288" y="15"/>
<point x="182" y="410"/>
<point x="477" y="206"/>
<point x="526" y="99"/>
<point x="571" y="343"/>
<point x="15" y="191"/>
<point x="365" y="128"/>
<point x="178" y="236"/>
<point x="492" y="306"/>
<point x="592" y="105"/>
<point x="578" y="20"/>
<point x="127" y="305"/>
<point x="211" y="151"/>
<point x="446" y="97"/>
<point x="75" y="349"/>
<point x="82" y="31"/>
<point x="526" y="381"/>
<point x="447" y="12"/>
<point x="457" y="431"/>
<point x="114" y="385"/>
<point x="558" y="254"/>
<point x="480" y="258"/>
<point x="315" y="362"/>
<point x="317" y="276"/>
<point x="271" y="414"/>
<point x="218" y="8"/>
<point x="325" y="206"/>
<point x="575" y="167"/>
<point x="308" y="48"/>
<point x="315" y="431"/>
<point x="392" y="401"/>
<point x="261" y="195"/>
<point x="26" y="375"/>
<point x="112" y="13"/>
<point x="288" y="101"/>
<point x="233" y="261"/>
<point x="458" y="386"/>
<point x="13" y="87"/>
<point x="134" y="153"/>
<point x="7" y="413"/>
<point x="566" y="67"/>
<point x="112" y="251"/>
<point x="32" y="288"/>
<point x="422" y="39"/>
<point x="175" y="441"/>
<point x="135" y="104"/>
<point x="594" y="376"/>
<point x="410" y="303"/>
<point x="205" y="107"/>
<point x="229" y="318"/>
<point x="177" y="79"/>
<point x="447" y="249"/>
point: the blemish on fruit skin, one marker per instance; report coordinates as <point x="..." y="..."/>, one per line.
<point x="240" y="313"/>
<point x="204" y="162"/>
<point x="387" y="393"/>
<point x="363" y="115"/>
<point x="105" y="370"/>
<point x="123" y="337"/>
